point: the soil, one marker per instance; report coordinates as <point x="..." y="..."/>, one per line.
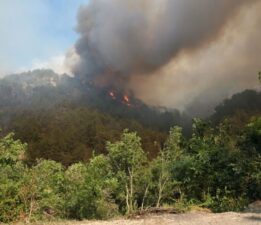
<point x="192" y="218"/>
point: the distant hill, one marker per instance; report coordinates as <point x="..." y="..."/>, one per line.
<point x="44" y="89"/>
<point x="244" y="104"/>
<point x="66" y="119"/>
<point x="38" y="88"/>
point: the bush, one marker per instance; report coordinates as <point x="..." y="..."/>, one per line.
<point x="89" y="188"/>
<point x="43" y="192"/>
<point x="213" y="169"/>
<point x="12" y="171"/>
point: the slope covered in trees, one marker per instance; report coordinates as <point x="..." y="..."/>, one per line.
<point x="70" y="134"/>
<point x="246" y="103"/>
<point x="64" y="119"/>
<point x="212" y="169"/>
<point x="79" y="162"/>
<point x="43" y="89"/>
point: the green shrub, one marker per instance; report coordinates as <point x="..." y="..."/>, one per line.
<point x="89" y="188"/>
<point x="12" y="171"/>
<point x="42" y="191"/>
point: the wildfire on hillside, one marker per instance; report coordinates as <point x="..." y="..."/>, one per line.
<point x="124" y="98"/>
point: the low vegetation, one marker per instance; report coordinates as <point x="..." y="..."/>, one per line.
<point x="216" y="168"/>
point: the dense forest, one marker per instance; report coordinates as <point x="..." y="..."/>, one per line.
<point x="65" y="119"/>
<point x="73" y="150"/>
<point x="214" y="168"/>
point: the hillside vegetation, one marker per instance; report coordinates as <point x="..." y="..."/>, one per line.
<point x="73" y="158"/>
<point x="212" y="169"/>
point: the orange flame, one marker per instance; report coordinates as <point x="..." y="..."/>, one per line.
<point x="126" y="98"/>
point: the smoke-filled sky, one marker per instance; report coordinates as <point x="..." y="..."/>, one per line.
<point x="186" y="54"/>
<point x="171" y="52"/>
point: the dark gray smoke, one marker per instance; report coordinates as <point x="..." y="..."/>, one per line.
<point x="189" y="48"/>
<point x="139" y="36"/>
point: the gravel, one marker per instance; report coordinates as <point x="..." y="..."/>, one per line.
<point x="193" y="218"/>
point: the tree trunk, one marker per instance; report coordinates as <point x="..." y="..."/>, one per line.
<point x="127" y="199"/>
<point x="131" y="191"/>
<point x="144" y="196"/>
<point x="159" y="198"/>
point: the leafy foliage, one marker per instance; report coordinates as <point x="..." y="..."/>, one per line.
<point x="215" y="168"/>
<point x="128" y="160"/>
<point x="242" y="105"/>
<point x="70" y="134"/>
<point x="42" y="190"/>
<point x="79" y="164"/>
<point x="89" y="190"/>
<point x="11" y="170"/>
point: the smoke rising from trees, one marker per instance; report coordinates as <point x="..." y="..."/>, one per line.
<point x="175" y="48"/>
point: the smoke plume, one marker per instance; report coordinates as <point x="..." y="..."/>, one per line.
<point x="165" y="50"/>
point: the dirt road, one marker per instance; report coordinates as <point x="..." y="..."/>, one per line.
<point x="193" y="218"/>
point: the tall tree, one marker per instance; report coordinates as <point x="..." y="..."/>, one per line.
<point x="127" y="159"/>
<point x="162" y="165"/>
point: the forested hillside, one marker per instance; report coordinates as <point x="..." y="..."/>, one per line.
<point x="69" y="133"/>
<point x="118" y="109"/>
<point x="213" y="169"/>
<point x="244" y="104"/>
<point x="79" y="151"/>
<point x="65" y="119"/>
<point x="43" y="89"/>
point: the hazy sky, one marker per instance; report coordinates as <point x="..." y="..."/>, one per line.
<point x="172" y="53"/>
<point x="35" y="32"/>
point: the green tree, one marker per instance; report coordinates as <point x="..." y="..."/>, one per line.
<point x="12" y="152"/>
<point x="164" y="184"/>
<point x="250" y="145"/>
<point x="211" y="171"/>
<point x="89" y="189"/>
<point x="127" y="159"/>
<point x="42" y="191"/>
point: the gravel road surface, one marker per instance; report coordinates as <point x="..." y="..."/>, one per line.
<point x="193" y="218"/>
